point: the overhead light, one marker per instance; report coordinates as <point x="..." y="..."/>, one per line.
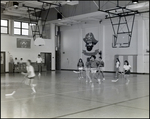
<point x="68" y="0"/>
<point x="135" y="1"/>
<point x="59" y="16"/>
<point x="15" y="4"/>
<point x="39" y="42"/>
<point x="32" y="24"/>
<point x="138" y="6"/>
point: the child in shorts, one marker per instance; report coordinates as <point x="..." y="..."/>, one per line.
<point x="80" y="67"/>
<point x="30" y="75"/>
<point x="127" y="69"/>
<point x="88" y="70"/>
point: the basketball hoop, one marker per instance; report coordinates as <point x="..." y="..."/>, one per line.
<point x="39" y="42"/>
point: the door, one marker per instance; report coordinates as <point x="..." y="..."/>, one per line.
<point x="46" y="60"/>
<point x="2" y="62"/>
<point x="57" y="60"/>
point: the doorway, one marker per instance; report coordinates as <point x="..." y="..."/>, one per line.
<point x="46" y="60"/>
<point x="2" y="62"/>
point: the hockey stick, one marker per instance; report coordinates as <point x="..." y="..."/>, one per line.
<point x="15" y="90"/>
<point x="76" y="71"/>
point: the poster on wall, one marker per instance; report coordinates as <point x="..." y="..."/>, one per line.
<point x="23" y="43"/>
<point x="2" y="58"/>
<point x="90" y="44"/>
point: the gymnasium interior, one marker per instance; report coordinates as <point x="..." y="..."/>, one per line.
<point x="62" y="32"/>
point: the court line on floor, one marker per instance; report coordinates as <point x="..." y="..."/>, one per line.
<point x="78" y="90"/>
<point x="94" y="82"/>
<point x="102" y="101"/>
<point x="84" y="90"/>
<point x="28" y="98"/>
<point x="108" y="86"/>
<point x="47" y="94"/>
<point x="84" y="86"/>
<point x="90" y="110"/>
<point x="63" y="94"/>
<point x="132" y="107"/>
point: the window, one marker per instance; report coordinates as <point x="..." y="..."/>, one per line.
<point x="21" y="28"/>
<point x="4" y="26"/>
<point x="33" y="27"/>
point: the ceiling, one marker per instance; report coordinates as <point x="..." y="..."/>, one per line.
<point x="98" y="16"/>
<point x="21" y="12"/>
<point x="95" y="16"/>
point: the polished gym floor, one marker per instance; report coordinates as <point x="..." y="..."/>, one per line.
<point x="61" y="94"/>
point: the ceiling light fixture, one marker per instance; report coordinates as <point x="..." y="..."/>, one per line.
<point x="15" y="4"/>
<point x="68" y="0"/>
<point x="59" y="16"/>
<point x="135" y="1"/>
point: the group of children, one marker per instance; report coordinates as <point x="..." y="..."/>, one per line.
<point x="94" y="69"/>
<point x="126" y="70"/>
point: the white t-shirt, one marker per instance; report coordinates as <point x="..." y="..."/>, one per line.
<point x="117" y="64"/>
<point x="39" y="60"/>
<point x="126" y="67"/>
<point x="16" y="62"/>
<point x="31" y="70"/>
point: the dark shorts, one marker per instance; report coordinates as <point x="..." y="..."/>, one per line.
<point x="31" y="77"/>
<point x="117" y="69"/>
<point x="127" y="71"/>
<point x="39" y="67"/>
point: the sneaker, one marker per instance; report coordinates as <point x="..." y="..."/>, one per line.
<point x="86" y="81"/>
<point x="90" y="81"/>
<point x="99" y="81"/>
<point x="128" y="81"/>
<point x="33" y="85"/>
<point x="103" y="79"/>
<point x="92" y="85"/>
<point x="39" y="74"/>
<point x="114" y="80"/>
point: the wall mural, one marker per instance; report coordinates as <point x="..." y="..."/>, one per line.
<point x="23" y="43"/>
<point x="90" y="41"/>
<point x="90" y="44"/>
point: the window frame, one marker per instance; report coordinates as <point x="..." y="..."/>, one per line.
<point x="6" y="26"/>
<point x="21" y="28"/>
